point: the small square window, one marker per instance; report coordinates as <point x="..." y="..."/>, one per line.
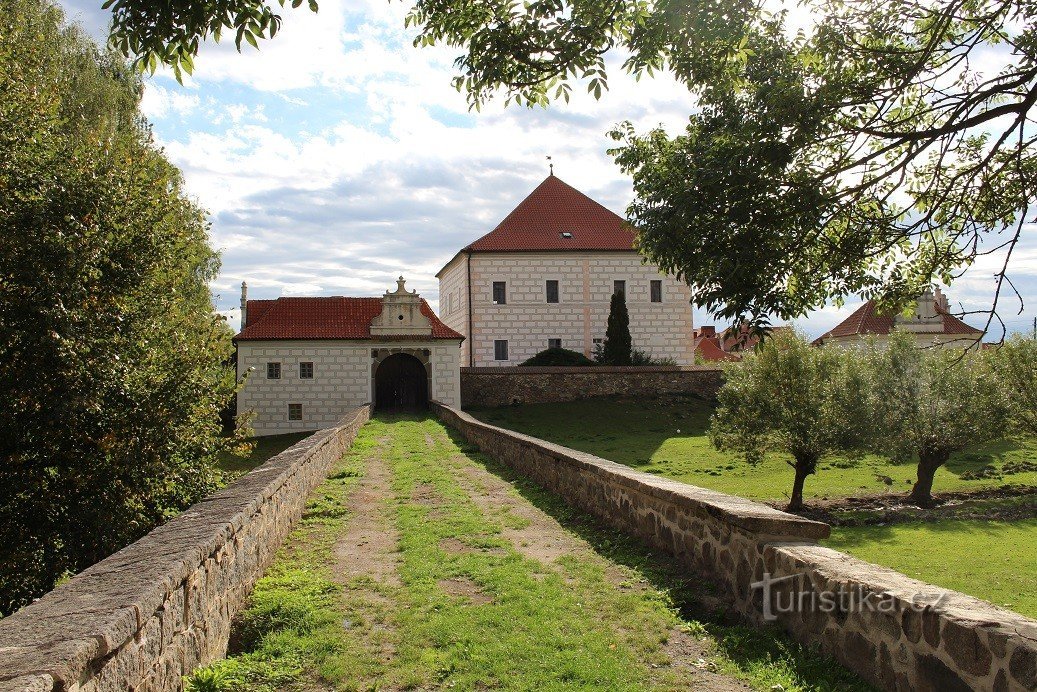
<point x="273" y="371"/>
<point x="554" y="343"/>
<point x="305" y="371"/>
<point x="500" y="293"/>
<point x="619" y="286"/>
<point x="657" y="291"/>
<point x="294" y="411"/>
<point x="552" y="291"/>
<point x="500" y="349"/>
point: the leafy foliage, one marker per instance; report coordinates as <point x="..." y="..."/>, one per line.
<point x="111" y="359"/>
<point x="1015" y="367"/>
<point x="931" y="403"/>
<point x="869" y="152"/>
<point x="616" y="349"/>
<point x="170" y="32"/>
<point x="558" y="356"/>
<point x="791" y="397"/>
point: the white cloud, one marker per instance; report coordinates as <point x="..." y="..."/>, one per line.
<point x="159" y="102"/>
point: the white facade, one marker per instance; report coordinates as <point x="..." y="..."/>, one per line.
<point x="586" y="280"/>
<point x="343" y="378"/>
<point x="307" y="361"/>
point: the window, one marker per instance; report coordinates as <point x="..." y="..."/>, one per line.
<point x="273" y="371"/>
<point x="294" y="411"/>
<point x="552" y="291"/>
<point x="305" y="371"/>
<point x="554" y="343"/>
<point x="566" y="234"/>
<point x="619" y="286"/>
<point x="657" y="291"/>
<point x="500" y="349"/>
<point x="500" y="293"/>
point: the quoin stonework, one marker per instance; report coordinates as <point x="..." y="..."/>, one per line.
<point x="544" y="278"/>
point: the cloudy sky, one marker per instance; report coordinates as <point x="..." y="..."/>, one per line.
<point x="338" y="157"/>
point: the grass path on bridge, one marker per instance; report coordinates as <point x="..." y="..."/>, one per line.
<point x="420" y="564"/>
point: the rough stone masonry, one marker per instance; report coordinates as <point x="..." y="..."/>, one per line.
<point x="896" y="632"/>
<point x="149" y="614"/>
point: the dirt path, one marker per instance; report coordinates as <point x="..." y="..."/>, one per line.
<point x="538" y="536"/>
<point x="367" y="549"/>
<point x="439" y="555"/>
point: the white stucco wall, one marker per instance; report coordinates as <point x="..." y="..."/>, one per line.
<point x="527" y="321"/>
<point x="341" y="380"/>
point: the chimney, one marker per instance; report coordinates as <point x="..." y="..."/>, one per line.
<point x="244" y="304"/>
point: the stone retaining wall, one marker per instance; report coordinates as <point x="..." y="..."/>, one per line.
<point x="896" y="632"/>
<point x="144" y="617"/>
<point x="485" y="387"/>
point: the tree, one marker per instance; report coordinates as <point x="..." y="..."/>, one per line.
<point x="1014" y="366"/>
<point x="931" y="403"/>
<point x="617" y="347"/>
<point x="869" y="152"/>
<point x="790" y="397"/>
<point x="111" y="357"/>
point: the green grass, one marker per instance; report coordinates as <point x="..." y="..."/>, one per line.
<point x="292" y="628"/>
<point x="263" y="448"/>
<point x="536" y="626"/>
<point x="992" y="560"/>
<point x="668" y="437"/>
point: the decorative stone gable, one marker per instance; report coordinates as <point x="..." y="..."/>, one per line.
<point x="925" y="318"/>
<point x="401" y="314"/>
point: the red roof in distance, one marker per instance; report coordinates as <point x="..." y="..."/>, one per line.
<point x="332" y="317"/>
<point x="556" y="216"/>
<point x="866" y="320"/>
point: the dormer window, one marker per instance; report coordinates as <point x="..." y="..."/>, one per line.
<point x="566" y="234"/>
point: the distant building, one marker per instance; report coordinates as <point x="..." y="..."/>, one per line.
<point x="931" y="324"/>
<point x="708" y="346"/>
<point x="310" y="360"/>
<point x="544" y="278"/>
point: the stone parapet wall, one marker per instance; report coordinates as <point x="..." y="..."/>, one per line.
<point x="906" y="636"/>
<point x="149" y="614"/>
<point x="504" y="386"/>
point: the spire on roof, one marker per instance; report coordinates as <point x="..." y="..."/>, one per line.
<point x="550" y="166"/>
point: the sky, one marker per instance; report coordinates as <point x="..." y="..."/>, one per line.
<point x="338" y="157"/>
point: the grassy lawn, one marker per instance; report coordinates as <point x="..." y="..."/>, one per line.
<point x="467" y="605"/>
<point x="668" y="437"/>
<point x="262" y="449"/>
<point x="992" y="560"/>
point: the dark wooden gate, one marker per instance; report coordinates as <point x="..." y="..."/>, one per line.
<point x="401" y="383"/>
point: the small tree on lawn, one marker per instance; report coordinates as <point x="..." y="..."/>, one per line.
<point x="789" y="397"/>
<point x="618" y="346"/>
<point x="1014" y="366"/>
<point x="931" y="403"/>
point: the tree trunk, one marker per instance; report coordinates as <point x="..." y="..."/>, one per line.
<point x="804" y="468"/>
<point x="928" y="463"/>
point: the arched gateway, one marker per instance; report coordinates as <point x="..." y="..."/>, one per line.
<point x="400" y="383"/>
<point x="310" y="361"/>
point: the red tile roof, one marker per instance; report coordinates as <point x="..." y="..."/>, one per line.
<point x="708" y="350"/>
<point x="866" y="320"/>
<point x="324" y="318"/>
<point x="550" y="210"/>
<point x="743" y="340"/>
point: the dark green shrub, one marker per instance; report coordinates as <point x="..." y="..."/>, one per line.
<point x="558" y="357"/>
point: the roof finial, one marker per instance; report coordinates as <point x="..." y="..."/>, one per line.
<point x="551" y="166"/>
